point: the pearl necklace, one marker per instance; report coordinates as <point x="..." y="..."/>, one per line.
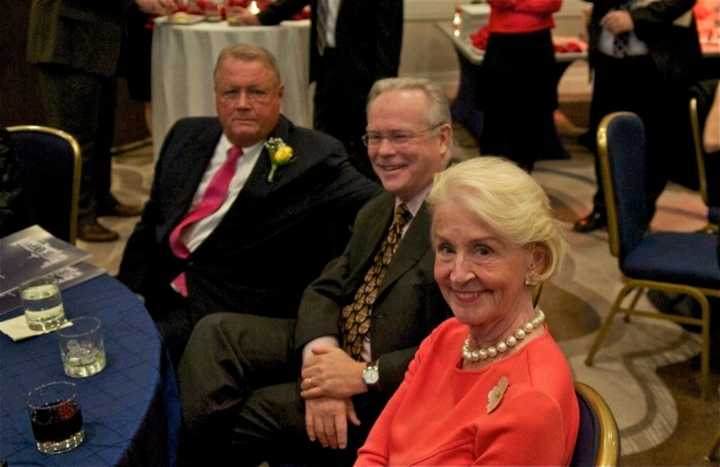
<point x="505" y="344"/>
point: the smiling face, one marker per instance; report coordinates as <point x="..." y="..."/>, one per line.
<point x="481" y="275"/>
<point x="405" y="165"/>
<point x="247" y="99"/>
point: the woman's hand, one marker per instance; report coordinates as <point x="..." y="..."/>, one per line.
<point x="330" y="372"/>
<point x="326" y="420"/>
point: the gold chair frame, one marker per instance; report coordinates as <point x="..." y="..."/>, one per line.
<point x="639" y="286"/>
<point x="608" y="453"/>
<point x="77" y="167"/>
<point x="710" y="228"/>
<point x="714" y="455"/>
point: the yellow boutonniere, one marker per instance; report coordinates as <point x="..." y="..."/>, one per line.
<point x="280" y="154"/>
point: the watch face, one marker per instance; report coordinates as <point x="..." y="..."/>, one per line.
<point x="371" y="375"/>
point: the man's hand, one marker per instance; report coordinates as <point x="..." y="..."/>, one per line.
<point x="326" y="420"/>
<point x="330" y="372"/>
<point x="243" y="16"/>
<point x="157" y="7"/>
<point x="617" y="22"/>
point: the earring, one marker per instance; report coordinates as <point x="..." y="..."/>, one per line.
<point x="529" y="281"/>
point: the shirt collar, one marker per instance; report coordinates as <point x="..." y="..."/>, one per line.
<point x="415" y="202"/>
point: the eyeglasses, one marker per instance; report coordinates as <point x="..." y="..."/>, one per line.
<point x="396" y="137"/>
<point x="252" y="94"/>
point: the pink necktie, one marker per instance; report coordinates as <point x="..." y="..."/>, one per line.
<point x="215" y="194"/>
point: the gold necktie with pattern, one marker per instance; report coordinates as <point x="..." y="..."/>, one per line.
<point x="356" y="316"/>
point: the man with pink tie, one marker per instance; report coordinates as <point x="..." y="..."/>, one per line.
<point x="245" y="208"/>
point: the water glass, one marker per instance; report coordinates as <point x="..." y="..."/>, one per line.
<point x="55" y="417"/>
<point x="82" y="348"/>
<point x="43" y="304"/>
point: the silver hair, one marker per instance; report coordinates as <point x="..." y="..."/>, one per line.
<point x="439" y="111"/>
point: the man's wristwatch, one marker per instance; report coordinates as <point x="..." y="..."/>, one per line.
<point x="371" y="375"/>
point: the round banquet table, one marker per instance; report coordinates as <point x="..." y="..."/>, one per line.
<point x="131" y="410"/>
<point x="183" y="59"/>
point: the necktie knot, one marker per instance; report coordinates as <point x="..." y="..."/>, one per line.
<point x="234" y="153"/>
<point x="402" y="215"/>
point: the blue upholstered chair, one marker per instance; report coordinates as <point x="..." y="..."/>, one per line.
<point x="598" y="441"/>
<point x="49" y="164"/>
<point x="674" y="262"/>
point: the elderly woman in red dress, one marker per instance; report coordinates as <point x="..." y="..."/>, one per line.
<point x="489" y="386"/>
<point x="519" y="93"/>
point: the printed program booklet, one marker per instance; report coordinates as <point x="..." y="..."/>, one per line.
<point x="34" y="252"/>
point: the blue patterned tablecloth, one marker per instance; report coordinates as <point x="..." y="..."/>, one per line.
<point x="131" y="410"/>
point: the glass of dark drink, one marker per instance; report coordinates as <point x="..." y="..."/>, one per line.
<point x="55" y="417"/>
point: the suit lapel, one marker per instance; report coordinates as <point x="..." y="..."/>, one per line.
<point x="192" y="164"/>
<point x="412" y="247"/>
<point x="376" y="234"/>
<point x="257" y="184"/>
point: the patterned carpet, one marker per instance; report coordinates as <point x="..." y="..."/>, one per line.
<point x="645" y="368"/>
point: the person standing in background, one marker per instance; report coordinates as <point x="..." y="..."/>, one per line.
<point x="77" y="47"/>
<point x="138" y="60"/>
<point x="517" y="109"/>
<point x="353" y="43"/>
<point x="644" y="56"/>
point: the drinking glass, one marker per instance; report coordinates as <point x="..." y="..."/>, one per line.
<point x="43" y="304"/>
<point x="82" y="348"/>
<point x="55" y="417"/>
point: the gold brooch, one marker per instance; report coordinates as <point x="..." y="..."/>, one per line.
<point x="496" y="394"/>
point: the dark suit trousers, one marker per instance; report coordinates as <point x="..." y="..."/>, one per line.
<point x="241" y="401"/>
<point x="83" y="105"/>
<point x="634" y="84"/>
<point x="340" y="99"/>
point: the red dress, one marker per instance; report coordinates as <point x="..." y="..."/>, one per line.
<point x="438" y="415"/>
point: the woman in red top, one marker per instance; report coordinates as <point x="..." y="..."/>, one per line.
<point x="519" y="91"/>
<point x="489" y="386"/>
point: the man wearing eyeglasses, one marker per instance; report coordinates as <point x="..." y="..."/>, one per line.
<point x="251" y="384"/>
<point x="245" y="208"/>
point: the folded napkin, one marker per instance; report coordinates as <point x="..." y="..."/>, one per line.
<point x="17" y="328"/>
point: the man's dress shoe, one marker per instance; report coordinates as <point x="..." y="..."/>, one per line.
<point x="94" y="232"/>
<point x="593" y="221"/>
<point x="120" y="210"/>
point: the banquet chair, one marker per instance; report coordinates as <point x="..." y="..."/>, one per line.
<point x="696" y="125"/>
<point x="598" y="439"/>
<point x="50" y="169"/>
<point x="673" y="262"/>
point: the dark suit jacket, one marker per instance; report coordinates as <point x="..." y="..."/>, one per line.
<point x="674" y="49"/>
<point x="368" y="36"/>
<point x="274" y="240"/>
<point x="81" y="34"/>
<point x="409" y="303"/>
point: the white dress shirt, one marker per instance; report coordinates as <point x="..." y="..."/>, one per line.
<point x="196" y="233"/>
<point x="333" y="6"/>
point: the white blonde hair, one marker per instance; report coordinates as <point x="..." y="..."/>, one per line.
<point x="507" y="199"/>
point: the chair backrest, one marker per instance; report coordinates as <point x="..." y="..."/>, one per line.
<point x="50" y="168"/>
<point x="623" y="161"/>
<point x="598" y="441"/>
<point x="699" y="150"/>
<point x="703" y="97"/>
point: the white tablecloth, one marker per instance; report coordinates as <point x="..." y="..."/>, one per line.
<point x="183" y="59"/>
